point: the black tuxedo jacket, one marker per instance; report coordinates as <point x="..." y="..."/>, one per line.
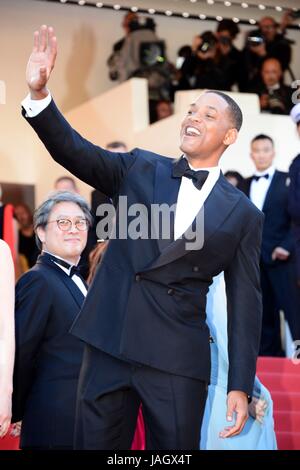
<point x="48" y="357"/>
<point x="147" y="302"/>
<point x="277" y="223"/>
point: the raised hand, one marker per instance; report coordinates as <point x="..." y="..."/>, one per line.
<point x="41" y="61"/>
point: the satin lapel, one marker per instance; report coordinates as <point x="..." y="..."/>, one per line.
<point x="217" y="208"/>
<point x="268" y="197"/>
<point x="71" y="286"/>
<point x="165" y="192"/>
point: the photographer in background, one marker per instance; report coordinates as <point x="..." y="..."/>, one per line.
<point x="274" y="96"/>
<point x="266" y="41"/>
<point x="230" y="56"/>
<point x="114" y="58"/>
<point x="203" y="69"/>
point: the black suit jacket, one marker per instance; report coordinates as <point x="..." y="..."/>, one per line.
<point x="277" y="223"/>
<point x="294" y="192"/>
<point x="48" y="357"/>
<point x="147" y="302"/>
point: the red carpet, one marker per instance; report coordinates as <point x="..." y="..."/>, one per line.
<point x="282" y="378"/>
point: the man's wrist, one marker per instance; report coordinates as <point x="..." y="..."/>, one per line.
<point x="38" y="95"/>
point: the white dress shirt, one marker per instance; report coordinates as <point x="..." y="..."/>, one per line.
<point x="190" y="199"/>
<point x="259" y="188"/>
<point x="78" y="281"/>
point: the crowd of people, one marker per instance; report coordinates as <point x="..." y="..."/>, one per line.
<point x="211" y="61"/>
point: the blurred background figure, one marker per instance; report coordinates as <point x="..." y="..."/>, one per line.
<point x="7" y="337"/>
<point x="236" y="179"/>
<point x="9" y="232"/>
<point x="230" y="57"/>
<point x="294" y="192"/>
<point x="66" y="183"/>
<point x="113" y="61"/>
<point x="275" y="97"/>
<point x="203" y="68"/>
<point x="28" y="249"/>
<point x="267" y="41"/>
<point x="268" y="189"/>
<point x="164" y="109"/>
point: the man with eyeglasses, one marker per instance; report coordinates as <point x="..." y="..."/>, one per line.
<point x="48" y="299"/>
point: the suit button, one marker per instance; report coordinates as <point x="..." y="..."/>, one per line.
<point x="137" y="278"/>
<point x="170" y="291"/>
<point x="195" y="269"/>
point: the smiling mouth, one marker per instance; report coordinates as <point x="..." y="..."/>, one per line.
<point x="191" y="131"/>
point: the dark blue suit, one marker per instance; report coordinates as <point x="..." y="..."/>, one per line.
<point x="48" y="357"/>
<point x="277" y="277"/>
<point x="147" y="303"/>
<point x="294" y="207"/>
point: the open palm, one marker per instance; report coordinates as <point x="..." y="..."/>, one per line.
<point x="42" y="58"/>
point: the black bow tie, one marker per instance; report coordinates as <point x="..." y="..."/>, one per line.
<point x="73" y="269"/>
<point x="181" y="168"/>
<point x="257" y="177"/>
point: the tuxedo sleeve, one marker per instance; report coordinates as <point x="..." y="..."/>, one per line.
<point x="244" y="308"/>
<point x="32" y="311"/>
<point x="92" y="164"/>
<point x="294" y="190"/>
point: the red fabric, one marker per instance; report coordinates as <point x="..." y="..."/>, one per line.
<point x="9" y="443"/>
<point x="8" y="229"/>
<point x="139" y="436"/>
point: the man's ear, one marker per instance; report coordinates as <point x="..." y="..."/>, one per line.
<point x="40" y="231"/>
<point x="230" y="137"/>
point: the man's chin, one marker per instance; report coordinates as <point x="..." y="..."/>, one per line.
<point x="186" y="149"/>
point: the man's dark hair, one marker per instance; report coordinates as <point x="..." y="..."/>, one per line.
<point x="234" y="109"/>
<point x="262" y="137"/>
<point x="115" y="144"/>
<point x="230" y="26"/>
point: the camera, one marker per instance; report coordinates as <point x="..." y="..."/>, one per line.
<point x="255" y="41"/>
<point x="209" y="41"/>
<point x="295" y="14"/>
<point x="152" y="53"/>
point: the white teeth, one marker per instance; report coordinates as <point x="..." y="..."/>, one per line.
<point x="192" y="131"/>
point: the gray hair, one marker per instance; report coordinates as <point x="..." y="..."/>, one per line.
<point x="42" y="213"/>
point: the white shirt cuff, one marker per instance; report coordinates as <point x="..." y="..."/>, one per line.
<point x="35" y="107"/>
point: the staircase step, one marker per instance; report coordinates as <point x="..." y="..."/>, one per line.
<point x="284" y="401"/>
<point x="280" y="381"/>
<point x="288" y="440"/>
<point x="277" y="364"/>
<point x="287" y="421"/>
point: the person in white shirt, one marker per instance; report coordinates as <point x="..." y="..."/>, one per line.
<point x="144" y="318"/>
<point x="268" y="189"/>
<point x="48" y="299"/>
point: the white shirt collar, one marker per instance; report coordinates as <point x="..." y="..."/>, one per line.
<point x="67" y="270"/>
<point x="270" y="171"/>
<point x="211" y="168"/>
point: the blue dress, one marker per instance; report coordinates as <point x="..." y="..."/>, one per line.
<point x="255" y="436"/>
